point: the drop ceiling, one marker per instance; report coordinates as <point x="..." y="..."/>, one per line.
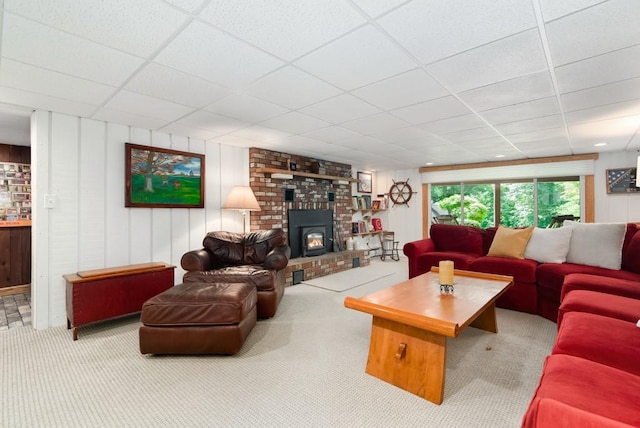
<point x="382" y="84"/>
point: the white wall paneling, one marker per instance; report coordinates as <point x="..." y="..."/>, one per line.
<point x="615" y="207"/>
<point x="81" y="161"/>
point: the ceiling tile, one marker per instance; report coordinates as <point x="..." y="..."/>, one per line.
<point x="189" y="131"/>
<point x="430" y="111"/>
<point x="471" y="135"/>
<point x="357" y="59"/>
<point x="522" y="111"/>
<point x="529" y="125"/>
<point x="624" y="90"/>
<point x="47" y="82"/>
<point x="537" y="135"/>
<point x="261" y="134"/>
<point x="108" y="22"/>
<point x="426" y="28"/>
<point x="514" y="91"/>
<point x="213" y="122"/>
<point x="589" y="33"/>
<point x="552" y="9"/>
<point x="605" y="112"/>
<point x="144" y="105"/>
<point x="234" y="140"/>
<point x="332" y="134"/>
<point x="292" y="88"/>
<point x="33" y="43"/>
<point x="402" y="90"/>
<point x="375" y="8"/>
<point x="246" y="108"/>
<point x="199" y="50"/>
<point x="45" y="102"/>
<point x="502" y="60"/>
<point x="188" y="5"/>
<point x="403" y="135"/>
<point x="340" y="109"/>
<point x="295" y="123"/>
<point x="286" y="28"/>
<point x="376" y="123"/>
<point x="459" y="123"/>
<point x="171" y="85"/>
<point x="128" y="118"/>
<point x="599" y="70"/>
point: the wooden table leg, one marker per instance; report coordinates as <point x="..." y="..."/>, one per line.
<point x="487" y="320"/>
<point x="408" y="357"/>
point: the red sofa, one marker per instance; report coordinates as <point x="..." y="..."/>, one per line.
<point x="592" y="377"/>
<point x="537" y="286"/>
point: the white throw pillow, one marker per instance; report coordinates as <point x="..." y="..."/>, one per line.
<point x="549" y="245"/>
<point x="596" y="244"/>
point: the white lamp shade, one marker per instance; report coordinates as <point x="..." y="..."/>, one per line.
<point x="241" y="198"/>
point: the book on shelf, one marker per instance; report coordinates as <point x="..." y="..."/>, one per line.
<point x="377" y="223"/>
<point x="375" y="205"/>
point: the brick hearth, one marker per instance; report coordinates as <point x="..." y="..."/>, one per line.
<point x="326" y="264"/>
<point x="309" y="193"/>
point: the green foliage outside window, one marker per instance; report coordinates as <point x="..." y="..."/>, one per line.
<point x="517" y="202"/>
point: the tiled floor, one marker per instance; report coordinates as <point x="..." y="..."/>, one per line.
<point x="15" y="311"/>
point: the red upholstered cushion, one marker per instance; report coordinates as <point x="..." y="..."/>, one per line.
<point x="598" y="338"/>
<point x="460" y="260"/>
<point x="462" y="239"/>
<point x="594" y="302"/>
<point x="631" y="254"/>
<point x="522" y="270"/>
<point x="546" y="412"/>
<point x="592" y="387"/>
<point x="620" y="287"/>
<point x="551" y="275"/>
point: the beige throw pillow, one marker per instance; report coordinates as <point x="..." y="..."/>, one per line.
<point x="510" y="242"/>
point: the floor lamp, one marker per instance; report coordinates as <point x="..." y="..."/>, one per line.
<point x="241" y="198"/>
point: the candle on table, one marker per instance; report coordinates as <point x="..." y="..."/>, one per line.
<point x="446" y="272"/>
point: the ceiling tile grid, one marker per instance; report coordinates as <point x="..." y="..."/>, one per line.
<point x="383" y="84"/>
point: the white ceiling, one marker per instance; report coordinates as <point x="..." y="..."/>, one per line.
<point x="383" y="84"/>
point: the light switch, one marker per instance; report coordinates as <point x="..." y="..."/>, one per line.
<point x="50" y="201"/>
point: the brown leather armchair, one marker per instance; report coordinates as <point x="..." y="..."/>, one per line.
<point x="258" y="258"/>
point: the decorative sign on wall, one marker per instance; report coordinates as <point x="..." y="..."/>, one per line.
<point x="163" y="178"/>
<point x="622" y="180"/>
<point x="15" y="194"/>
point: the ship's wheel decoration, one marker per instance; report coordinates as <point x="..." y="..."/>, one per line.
<point x="400" y="192"/>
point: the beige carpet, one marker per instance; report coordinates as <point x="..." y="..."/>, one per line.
<point x="305" y="367"/>
<point x="352" y="278"/>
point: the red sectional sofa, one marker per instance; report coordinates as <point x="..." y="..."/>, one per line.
<point x="537" y="286"/>
<point x="592" y="377"/>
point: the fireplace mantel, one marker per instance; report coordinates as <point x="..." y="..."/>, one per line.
<point x="305" y="174"/>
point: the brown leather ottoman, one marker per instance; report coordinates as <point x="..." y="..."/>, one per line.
<point x="198" y="318"/>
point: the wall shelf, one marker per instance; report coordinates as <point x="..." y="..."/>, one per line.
<point x="283" y="173"/>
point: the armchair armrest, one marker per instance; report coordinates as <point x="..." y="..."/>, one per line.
<point x="278" y="258"/>
<point x="197" y="260"/>
<point x="413" y="249"/>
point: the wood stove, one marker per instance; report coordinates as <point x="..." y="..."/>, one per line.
<point x="310" y="232"/>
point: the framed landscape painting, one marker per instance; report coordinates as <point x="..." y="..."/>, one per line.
<point x="163" y="178"/>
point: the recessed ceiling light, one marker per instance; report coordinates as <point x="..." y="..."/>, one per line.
<point x="599" y="144"/>
<point x="429" y="163"/>
<point x="499" y="156"/>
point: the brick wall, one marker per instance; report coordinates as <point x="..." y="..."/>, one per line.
<point x="309" y="193"/>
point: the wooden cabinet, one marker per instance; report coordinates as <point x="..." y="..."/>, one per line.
<point x="15" y="215"/>
<point x="15" y="256"/>
<point x="97" y="295"/>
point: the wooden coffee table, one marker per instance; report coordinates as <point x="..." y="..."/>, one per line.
<point x="412" y="320"/>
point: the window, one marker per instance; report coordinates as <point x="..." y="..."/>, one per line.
<point x="516" y="203"/>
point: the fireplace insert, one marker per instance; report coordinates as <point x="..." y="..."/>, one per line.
<point x="310" y="232"/>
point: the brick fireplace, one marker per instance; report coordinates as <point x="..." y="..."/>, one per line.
<point x="308" y="193"/>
